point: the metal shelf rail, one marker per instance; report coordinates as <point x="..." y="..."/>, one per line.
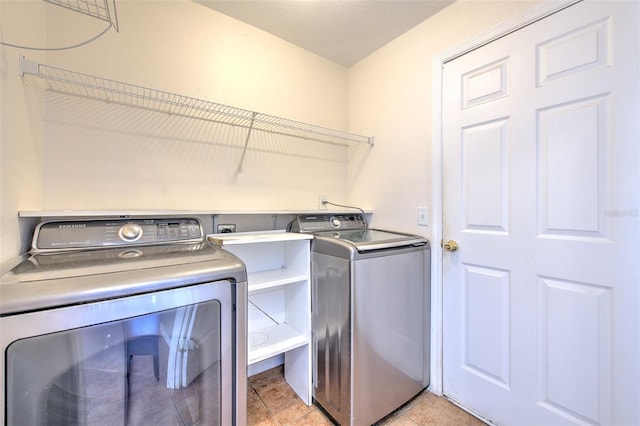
<point x="88" y="86"/>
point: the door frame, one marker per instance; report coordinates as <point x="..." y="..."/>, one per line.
<point x="529" y="16"/>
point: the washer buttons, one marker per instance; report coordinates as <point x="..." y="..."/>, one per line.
<point x="335" y="222"/>
<point x="130" y="232"/>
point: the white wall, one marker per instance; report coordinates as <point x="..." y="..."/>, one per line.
<point x="20" y="132"/>
<point x="390" y="96"/>
<point x="62" y="152"/>
<point x="67" y="153"/>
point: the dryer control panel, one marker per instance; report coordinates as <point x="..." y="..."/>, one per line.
<point x="327" y="222"/>
<point x="97" y="233"/>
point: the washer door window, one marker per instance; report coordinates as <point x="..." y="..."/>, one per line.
<point x="162" y="368"/>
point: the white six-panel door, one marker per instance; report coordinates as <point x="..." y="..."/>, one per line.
<point x="541" y="190"/>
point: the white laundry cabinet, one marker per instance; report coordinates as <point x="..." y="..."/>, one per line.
<point x="279" y="308"/>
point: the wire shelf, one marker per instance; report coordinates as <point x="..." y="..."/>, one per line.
<point x="84" y="85"/>
<point x="94" y="8"/>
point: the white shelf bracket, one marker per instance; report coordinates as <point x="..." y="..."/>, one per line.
<point x="28" y="67"/>
<point x="246" y="142"/>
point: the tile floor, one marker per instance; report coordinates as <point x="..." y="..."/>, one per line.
<point x="273" y="403"/>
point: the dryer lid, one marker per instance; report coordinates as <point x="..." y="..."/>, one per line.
<point x="67" y="278"/>
<point x="364" y="240"/>
<point x="81" y="263"/>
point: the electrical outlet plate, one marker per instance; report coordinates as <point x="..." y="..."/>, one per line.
<point x="322" y="199"/>
<point x="226" y="228"/>
<point x="423" y="216"/>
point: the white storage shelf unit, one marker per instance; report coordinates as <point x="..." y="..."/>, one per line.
<point x="279" y="318"/>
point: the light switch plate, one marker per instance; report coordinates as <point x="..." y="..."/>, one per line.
<point x="423" y="216"/>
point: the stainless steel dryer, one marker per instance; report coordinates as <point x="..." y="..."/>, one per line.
<point x="370" y="317"/>
<point x="113" y="321"/>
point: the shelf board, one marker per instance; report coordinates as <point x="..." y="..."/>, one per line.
<point x="267" y="338"/>
<point x="256" y="237"/>
<point x="264" y="280"/>
<point x="270" y="341"/>
<point x="168" y="212"/>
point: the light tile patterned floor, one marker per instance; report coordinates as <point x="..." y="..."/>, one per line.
<point x="273" y="403"/>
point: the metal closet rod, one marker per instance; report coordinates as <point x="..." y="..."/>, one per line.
<point x="85" y="85"/>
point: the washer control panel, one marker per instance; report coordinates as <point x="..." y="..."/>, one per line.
<point x="96" y="233"/>
<point x="327" y="222"/>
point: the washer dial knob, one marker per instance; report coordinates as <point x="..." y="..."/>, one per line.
<point x="130" y="232"/>
<point x="335" y="222"/>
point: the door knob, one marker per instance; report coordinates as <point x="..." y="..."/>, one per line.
<point x="450" y="245"/>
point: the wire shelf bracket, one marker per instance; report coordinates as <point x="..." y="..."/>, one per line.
<point x="246" y="143"/>
<point x="88" y="86"/>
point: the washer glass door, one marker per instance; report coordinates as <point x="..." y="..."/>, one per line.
<point x="164" y="367"/>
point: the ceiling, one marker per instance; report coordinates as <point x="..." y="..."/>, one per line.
<point x="344" y="31"/>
